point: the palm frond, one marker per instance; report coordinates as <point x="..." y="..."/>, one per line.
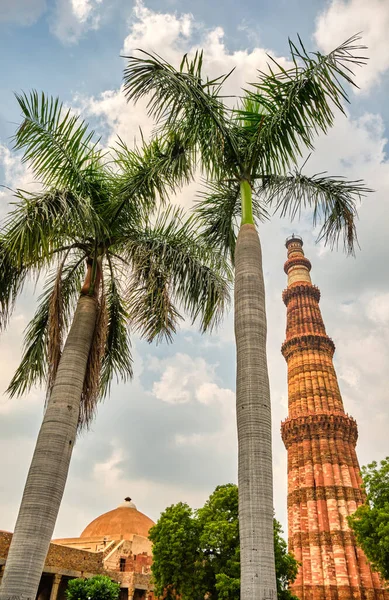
<point x="180" y="100"/>
<point x="34" y="366"/>
<point x="218" y="211"/>
<point x="151" y="172"/>
<point x="58" y="145"/>
<point x="182" y="269"/>
<point x="333" y="200"/>
<point x="12" y="278"/>
<point x="285" y="109"/>
<point x="40" y="224"/>
<point x="152" y="312"/>
<point x="117" y="359"/>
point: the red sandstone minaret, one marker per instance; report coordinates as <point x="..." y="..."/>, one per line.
<point x="324" y="483"/>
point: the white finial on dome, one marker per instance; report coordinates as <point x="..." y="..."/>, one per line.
<point x="127" y="503"/>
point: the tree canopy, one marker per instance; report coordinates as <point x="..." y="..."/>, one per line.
<point x="370" y="522"/>
<point x="103" y="210"/>
<point x="196" y="552"/>
<point x="255" y="140"/>
<point x="99" y="587"/>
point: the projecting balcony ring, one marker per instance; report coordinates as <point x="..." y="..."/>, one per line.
<point x="301" y="343"/>
<point x="316" y="426"/>
<point x="301" y="290"/>
<point x="297" y="261"/>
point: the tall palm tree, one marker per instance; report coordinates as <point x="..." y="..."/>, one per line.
<point x="109" y="260"/>
<point x="246" y="154"/>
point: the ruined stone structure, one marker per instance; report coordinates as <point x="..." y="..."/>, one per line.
<point x="324" y="483"/>
<point x="115" y="544"/>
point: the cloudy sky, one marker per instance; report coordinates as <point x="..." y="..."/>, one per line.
<point x="170" y="434"/>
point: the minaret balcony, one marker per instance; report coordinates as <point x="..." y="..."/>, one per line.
<point x="319" y="425"/>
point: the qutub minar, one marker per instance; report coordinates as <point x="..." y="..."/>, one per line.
<point x="324" y="482"/>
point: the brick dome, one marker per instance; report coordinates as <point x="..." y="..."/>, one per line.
<point x="123" y="522"/>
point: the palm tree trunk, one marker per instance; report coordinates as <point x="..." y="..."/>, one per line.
<point x="50" y="463"/>
<point x="255" y="477"/>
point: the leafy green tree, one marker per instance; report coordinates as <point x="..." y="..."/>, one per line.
<point x="110" y="260"/>
<point x="196" y="553"/>
<point x="99" y="587"/>
<point x="247" y="153"/>
<point x="370" y="522"/>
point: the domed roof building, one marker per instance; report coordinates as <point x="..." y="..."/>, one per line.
<point x="123" y="522"/>
<point x="120" y="536"/>
<point x="115" y="544"/>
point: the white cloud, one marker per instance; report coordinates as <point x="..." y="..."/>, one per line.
<point x="171" y="36"/>
<point x="155" y="31"/>
<point x="115" y="113"/>
<point x="343" y="18"/>
<point x="109" y="471"/>
<point x="22" y="12"/>
<point x="71" y="19"/>
<point x="378" y="309"/>
<point x="83" y="9"/>
<point x="15" y="172"/>
<point x="186" y="379"/>
<point x="17" y="175"/>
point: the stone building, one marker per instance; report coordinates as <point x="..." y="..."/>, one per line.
<point x="324" y="482"/>
<point x="114" y="544"/>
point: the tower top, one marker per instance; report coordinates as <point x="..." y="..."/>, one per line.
<point x="297" y="267"/>
<point x="294" y="238"/>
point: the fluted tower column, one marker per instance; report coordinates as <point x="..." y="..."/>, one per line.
<point x="324" y="482"/>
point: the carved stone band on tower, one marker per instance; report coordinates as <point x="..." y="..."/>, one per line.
<point x="324" y="482"/>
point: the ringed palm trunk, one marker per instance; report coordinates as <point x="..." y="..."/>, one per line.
<point x="50" y="463"/>
<point x="255" y="477"/>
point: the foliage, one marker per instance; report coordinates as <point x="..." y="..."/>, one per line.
<point x="196" y="552"/>
<point x="260" y="139"/>
<point x="370" y="522"/>
<point x="101" y="211"/>
<point x="99" y="587"/>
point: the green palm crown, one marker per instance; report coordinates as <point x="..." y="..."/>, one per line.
<point x="98" y="211"/>
<point x="249" y="147"/>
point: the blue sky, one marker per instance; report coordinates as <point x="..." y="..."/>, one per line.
<point x="170" y="434"/>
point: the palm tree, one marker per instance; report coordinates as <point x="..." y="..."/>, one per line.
<point x="246" y="154"/>
<point x="109" y="259"/>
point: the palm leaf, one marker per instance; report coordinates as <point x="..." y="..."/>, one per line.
<point x="34" y="367"/>
<point x="42" y="223"/>
<point x="12" y="277"/>
<point x="333" y="200"/>
<point x="293" y="105"/>
<point x="192" y="275"/>
<point x="117" y="359"/>
<point x="150" y="173"/>
<point x="218" y="211"/>
<point x="152" y="312"/>
<point x="180" y="100"/>
<point x="58" y="145"/>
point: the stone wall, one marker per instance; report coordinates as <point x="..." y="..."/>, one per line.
<point x="62" y="558"/>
